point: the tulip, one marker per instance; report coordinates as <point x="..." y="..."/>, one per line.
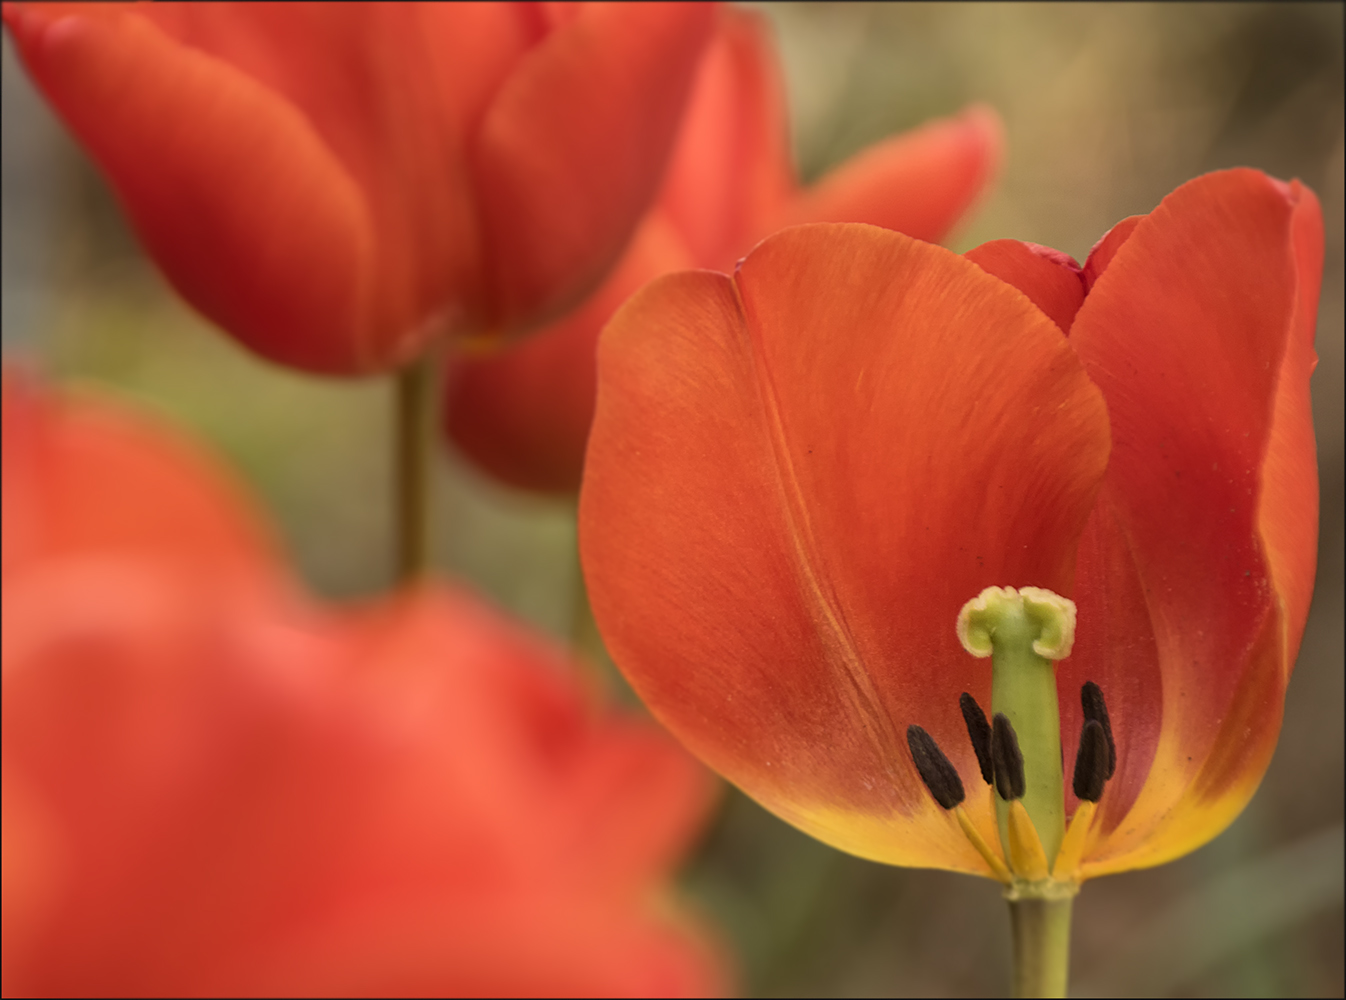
<point x="212" y="786"/>
<point x="524" y="414"/>
<point x="336" y="184"/>
<point x="813" y="488"/>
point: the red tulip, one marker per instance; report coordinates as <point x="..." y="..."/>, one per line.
<point x="333" y="183"/>
<point x="798" y="476"/>
<point x="212" y="787"/>
<point x="524" y="414"/>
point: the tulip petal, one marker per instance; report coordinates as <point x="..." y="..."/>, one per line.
<point x="523" y="413"/>
<point x="158" y="498"/>
<point x="1105" y="249"/>
<point x="732" y="170"/>
<point x="1049" y="278"/>
<point x="795" y="479"/>
<point x="1199" y="335"/>
<point x="1288" y="505"/>
<point x="1115" y="648"/>
<point x="477" y="46"/>
<point x="623" y="800"/>
<point x="572" y="151"/>
<point x="204" y="159"/>
<point x="919" y="183"/>
<point x="523" y="944"/>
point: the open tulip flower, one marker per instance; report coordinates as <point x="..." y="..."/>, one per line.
<point x="820" y="493"/>
<point x="334" y="184"/>
<point x="212" y="787"/>
<point x="523" y="414"/>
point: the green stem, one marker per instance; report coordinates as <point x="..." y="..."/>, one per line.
<point x="416" y="389"/>
<point x="1041" y="932"/>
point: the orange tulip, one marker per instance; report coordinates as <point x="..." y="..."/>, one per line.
<point x="799" y="475"/>
<point x="213" y="787"/>
<point x="524" y="414"/>
<point x="334" y="183"/>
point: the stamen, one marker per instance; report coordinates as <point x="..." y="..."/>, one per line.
<point x="941" y="777"/>
<point x="983" y="848"/>
<point x="1095" y="763"/>
<point x="935" y="770"/>
<point x="978" y="731"/>
<point x="1091" y="763"/>
<point x="1026" y="855"/>
<point x="1072" y="845"/>
<point x="1096" y="710"/>
<point x="1007" y="761"/>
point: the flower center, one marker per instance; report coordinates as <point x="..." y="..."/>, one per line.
<point x="1024" y="631"/>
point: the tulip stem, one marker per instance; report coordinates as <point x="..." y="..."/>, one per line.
<point x="1041" y="932"/>
<point x="415" y="451"/>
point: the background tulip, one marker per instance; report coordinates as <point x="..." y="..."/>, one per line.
<point x="336" y="184"/>
<point x="798" y="475"/>
<point x="212" y="786"/>
<point x="524" y="414"/>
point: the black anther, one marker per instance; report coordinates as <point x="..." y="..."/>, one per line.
<point x="978" y="731"/>
<point x="1091" y="763"/>
<point x="1008" y="761"/>
<point x="1096" y="710"/>
<point x="939" y="775"/>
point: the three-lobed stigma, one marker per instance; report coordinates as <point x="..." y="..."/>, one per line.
<point x="1000" y="611"/>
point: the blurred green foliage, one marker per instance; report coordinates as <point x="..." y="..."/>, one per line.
<point x="1107" y="108"/>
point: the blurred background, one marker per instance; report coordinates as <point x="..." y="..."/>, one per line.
<point x="1107" y="107"/>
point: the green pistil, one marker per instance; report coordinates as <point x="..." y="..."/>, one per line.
<point x="1023" y="632"/>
